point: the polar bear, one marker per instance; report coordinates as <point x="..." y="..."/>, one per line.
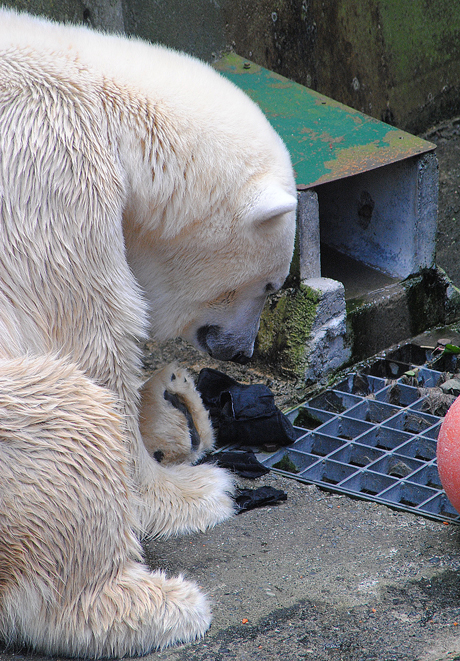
<point x="140" y="193"/>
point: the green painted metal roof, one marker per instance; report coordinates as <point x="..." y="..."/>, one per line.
<point x="326" y="140"/>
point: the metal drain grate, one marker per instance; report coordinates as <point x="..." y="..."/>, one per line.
<point x="372" y="437"/>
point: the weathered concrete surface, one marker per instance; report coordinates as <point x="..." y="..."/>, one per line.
<point x="323" y="577"/>
<point x="383" y="317"/>
<point x="327" y="349"/>
<point x="385" y="217"/>
<point x="74" y="11"/>
<point x="196" y="27"/>
<point x="447" y="140"/>
<point x="100" y="14"/>
<point x="308" y="235"/>
<point x="397" y="61"/>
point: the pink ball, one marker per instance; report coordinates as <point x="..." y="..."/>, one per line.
<point x="448" y="454"/>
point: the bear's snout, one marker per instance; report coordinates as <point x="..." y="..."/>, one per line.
<point x="224" y="345"/>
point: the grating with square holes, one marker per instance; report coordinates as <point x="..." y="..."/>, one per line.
<point x="374" y="434"/>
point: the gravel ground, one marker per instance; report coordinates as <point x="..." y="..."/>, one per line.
<point x="323" y="577"/>
<point x="288" y="392"/>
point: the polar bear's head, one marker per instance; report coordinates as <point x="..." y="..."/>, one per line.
<point x="226" y="325"/>
<point x="208" y="283"/>
<point x="210" y="230"/>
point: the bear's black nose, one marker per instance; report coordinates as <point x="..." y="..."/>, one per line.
<point x="224" y="345"/>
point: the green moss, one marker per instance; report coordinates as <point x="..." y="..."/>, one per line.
<point x="307" y="420"/>
<point x="285" y="328"/>
<point x="421" y="36"/>
<point x="355" y="304"/>
<point x="286" y="464"/>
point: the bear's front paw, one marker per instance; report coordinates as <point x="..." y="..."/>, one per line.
<point x="183" y="499"/>
<point x="174" y="424"/>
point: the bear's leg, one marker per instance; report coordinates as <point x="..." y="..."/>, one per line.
<point x="176" y="497"/>
<point x="174" y="424"/>
<point x="72" y="580"/>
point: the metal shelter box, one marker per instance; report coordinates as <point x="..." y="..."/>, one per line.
<point x="376" y="185"/>
<point x="367" y="219"/>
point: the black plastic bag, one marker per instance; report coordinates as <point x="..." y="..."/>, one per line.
<point x="249" y="499"/>
<point x="243" y="415"/>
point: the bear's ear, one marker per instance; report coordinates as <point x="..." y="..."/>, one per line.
<point x="272" y="202"/>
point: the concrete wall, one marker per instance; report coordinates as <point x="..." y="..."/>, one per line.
<point x="195" y="26"/>
<point x="102" y="14"/>
<point x="397" y="60"/>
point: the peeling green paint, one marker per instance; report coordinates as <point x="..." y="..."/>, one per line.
<point x="326" y="140"/>
<point x="285" y="328"/>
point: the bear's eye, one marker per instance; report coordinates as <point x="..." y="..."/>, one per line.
<point x="223" y="300"/>
<point x="269" y="288"/>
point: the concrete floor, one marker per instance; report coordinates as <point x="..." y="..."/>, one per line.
<point x="323" y="577"/>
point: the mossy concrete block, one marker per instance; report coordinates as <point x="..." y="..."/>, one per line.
<point x="302" y="330"/>
<point x="285" y="328"/>
<point x="326" y="349"/>
<point x="331" y="297"/>
<point x="377" y="320"/>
